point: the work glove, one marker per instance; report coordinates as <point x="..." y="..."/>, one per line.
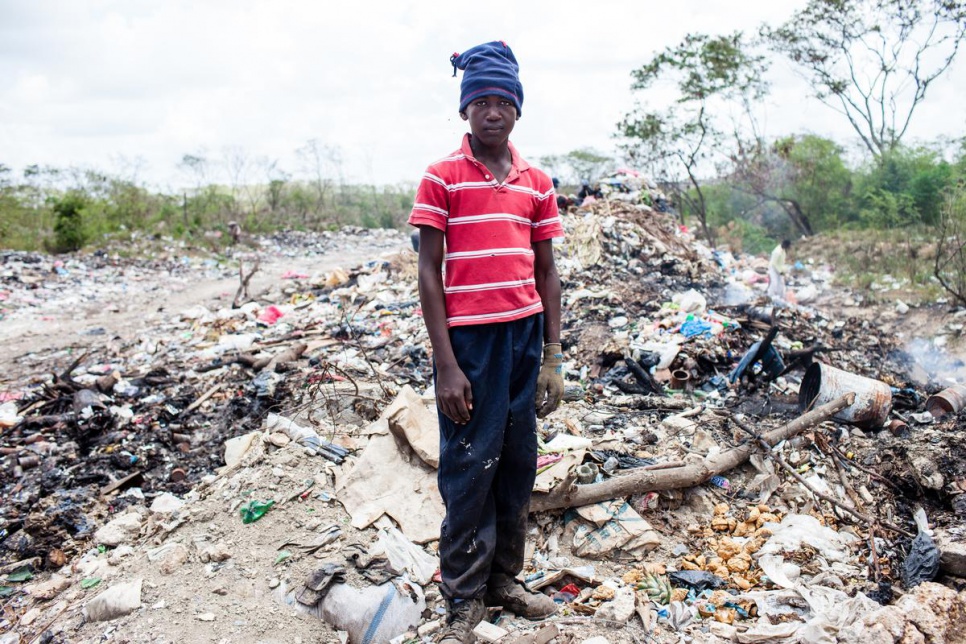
<point x="550" y="384"/>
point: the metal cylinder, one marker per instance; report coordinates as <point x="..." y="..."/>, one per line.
<point x="679" y="379"/>
<point x="823" y="384"/>
<point x="947" y="401"/>
<point x="898" y="427"/>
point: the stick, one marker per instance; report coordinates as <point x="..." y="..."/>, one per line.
<point x="643" y="377"/>
<point x="568" y="496"/>
<point x="242" y="292"/>
<point x="205" y="396"/>
<point x="852" y="463"/>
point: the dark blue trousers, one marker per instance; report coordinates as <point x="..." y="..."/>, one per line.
<point x="487" y="467"/>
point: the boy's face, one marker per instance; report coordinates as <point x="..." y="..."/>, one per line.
<point x="491" y="119"/>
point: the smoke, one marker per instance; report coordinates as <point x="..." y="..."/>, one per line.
<point x="936" y="360"/>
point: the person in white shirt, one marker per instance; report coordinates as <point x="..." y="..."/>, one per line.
<point x="776" y="271"/>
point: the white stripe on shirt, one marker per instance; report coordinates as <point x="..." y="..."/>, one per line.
<point x="491" y="252"/>
<point x="546" y="222"/>
<point x="530" y="191"/>
<point x="490" y="286"/>
<point x="495" y="316"/>
<point x="426" y="206"/>
<point x="496" y="216"/>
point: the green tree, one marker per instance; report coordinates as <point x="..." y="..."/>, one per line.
<point x="903" y="187"/>
<point x="872" y="61"/>
<point x="69" y="233"/>
<point x="712" y="75"/>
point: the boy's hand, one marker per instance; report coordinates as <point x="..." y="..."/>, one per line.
<point x="550" y="385"/>
<point x="454" y="394"/>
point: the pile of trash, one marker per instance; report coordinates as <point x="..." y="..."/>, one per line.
<point x="723" y="468"/>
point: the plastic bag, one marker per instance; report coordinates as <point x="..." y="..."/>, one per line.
<point x="369" y="615"/>
<point x="406" y="556"/>
<point x="922" y="562"/>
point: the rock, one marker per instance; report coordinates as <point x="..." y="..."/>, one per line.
<point x="217" y="552"/>
<point x="123" y="529"/>
<point x="205" y="617"/>
<point x="489" y="632"/>
<point x="166" y="504"/>
<point x="927" y="472"/>
<point x="114" y="602"/>
<point x="724" y="631"/>
<point x="48" y="589"/>
<point x="620" y="609"/>
<point x="30" y="617"/>
<point x="953" y="560"/>
<point x="600" y="639"/>
<point x="427" y="629"/>
<point x="930" y="613"/>
<point x="173" y="559"/>
<point x="274" y="582"/>
<point x="10" y="638"/>
<point x="119" y="553"/>
<point x="901" y="307"/>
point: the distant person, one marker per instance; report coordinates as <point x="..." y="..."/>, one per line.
<point x="235" y="231"/>
<point x="776" y="270"/>
<point x="587" y="191"/>
<point x="486" y="214"/>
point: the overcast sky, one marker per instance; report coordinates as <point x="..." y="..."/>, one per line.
<point x="105" y="83"/>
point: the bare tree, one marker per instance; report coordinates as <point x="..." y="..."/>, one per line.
<point x="709" y="73"/>
<point x="950" y="262"/>
<point x="321" y="163"/>
<point x="872" y="61"/>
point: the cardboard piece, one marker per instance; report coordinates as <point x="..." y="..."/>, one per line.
<point x="553" y="475"/>
<point x="411" y="421"/>
<point x="613" y="525"/>
<point x="390" y="478"/>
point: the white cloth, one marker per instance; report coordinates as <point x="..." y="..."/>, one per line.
<point x="776" y="272"/>
<point x="778" y="260"/>
<point x="776" y="284"/>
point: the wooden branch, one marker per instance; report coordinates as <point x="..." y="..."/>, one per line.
<point x="637" y="482"/>
<point x="205" y="396"/>
<point x="242" y="294"/>
<point x="648" y="384"/>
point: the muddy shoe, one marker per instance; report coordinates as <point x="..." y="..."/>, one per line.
<point x="461" y="619"/>
<point x="514" y="596"/>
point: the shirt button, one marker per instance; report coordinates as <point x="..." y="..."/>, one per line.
<point x="486" y="176"/>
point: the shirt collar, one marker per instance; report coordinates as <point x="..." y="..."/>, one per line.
<point x="517" y="163"/>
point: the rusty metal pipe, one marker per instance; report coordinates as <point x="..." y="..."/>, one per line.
<point x="679" y="379"/>
<point x="947" y="401"/>
<point x="823" y="383"/>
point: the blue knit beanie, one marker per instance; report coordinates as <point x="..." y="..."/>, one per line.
<point x="489" y="69"/>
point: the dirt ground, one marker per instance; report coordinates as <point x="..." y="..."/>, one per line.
<point x="149" y="301"/>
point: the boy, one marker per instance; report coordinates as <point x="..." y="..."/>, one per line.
<point x="489" y="217"/>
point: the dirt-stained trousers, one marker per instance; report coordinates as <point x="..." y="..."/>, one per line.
<point x="487" y="467"/>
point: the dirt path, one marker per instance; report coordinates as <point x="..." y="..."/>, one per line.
<point x="119" y="309"/>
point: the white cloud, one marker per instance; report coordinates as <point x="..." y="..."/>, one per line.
<point x="87" y="81"/>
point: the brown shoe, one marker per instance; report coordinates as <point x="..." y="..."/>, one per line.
<point x="461" y="619"/>
<point x="512" y="595"/>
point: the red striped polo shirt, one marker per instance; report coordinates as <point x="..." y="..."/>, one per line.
<point x="490" y="228"/>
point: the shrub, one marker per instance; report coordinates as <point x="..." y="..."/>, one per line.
<point x="69" y="231"/>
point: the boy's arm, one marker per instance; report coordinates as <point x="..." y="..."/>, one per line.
<point x="550" y="381"/>
<point x="454" y="395"/>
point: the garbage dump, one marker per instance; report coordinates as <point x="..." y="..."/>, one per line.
<point x="725" y="467"/>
